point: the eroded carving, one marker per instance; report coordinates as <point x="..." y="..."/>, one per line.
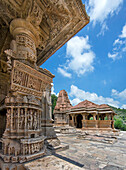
<point x="26" y="104"/>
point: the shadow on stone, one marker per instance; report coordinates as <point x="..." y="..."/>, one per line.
<point x="68" y="160"/>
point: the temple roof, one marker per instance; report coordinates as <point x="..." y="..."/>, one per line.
<point x="87" y="104"/>
<point x="63" y="102"/>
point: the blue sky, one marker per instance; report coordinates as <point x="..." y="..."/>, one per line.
<point x="92" y="65"/>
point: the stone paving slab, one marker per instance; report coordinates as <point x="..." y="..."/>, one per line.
<point x="85" y="154"/>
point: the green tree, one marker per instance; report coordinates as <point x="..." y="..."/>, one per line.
<point x="118" y="124"/>
<point x="54" y="100"/>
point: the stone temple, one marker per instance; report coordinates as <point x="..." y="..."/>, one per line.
<point x="62" y="105"/>
<point x="31" y="31"/>
<point x="85" y="115"/>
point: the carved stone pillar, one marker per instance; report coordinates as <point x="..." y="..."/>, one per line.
<point x="107" y="117"/>
<point x="25" y="41"/>
<point x="11" y="127"/>
<point x="83" y="116"/>
<point x="26" y="119"/>
<point x="24" y="99"/>
<point x="73" y="120"/>
<point x="18" y="119"/>
<point x="112" y="122"/>
<point x="83" y="121"/>
<point x="94" y="117"/>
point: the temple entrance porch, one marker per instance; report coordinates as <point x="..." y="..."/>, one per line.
<point x="91" y="121"/>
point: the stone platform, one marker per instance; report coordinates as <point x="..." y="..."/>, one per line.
<point x="85" y="154"/>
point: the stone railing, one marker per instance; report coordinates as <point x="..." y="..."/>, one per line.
<point x="90" y="123"/>
<point x="96" y="123"/>
<point x="104" y="123"/>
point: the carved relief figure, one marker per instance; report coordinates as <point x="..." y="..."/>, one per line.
<point x="8" y="118"/>
<point x="30" y="119"/>
<point x="35" y="121"/>
<point x="21" y="120"/>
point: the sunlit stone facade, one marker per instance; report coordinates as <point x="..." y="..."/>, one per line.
<point x="31" y="31"/>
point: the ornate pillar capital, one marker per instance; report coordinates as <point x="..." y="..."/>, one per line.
<point x="22" y="26"/>
<point x="26" y="39"/>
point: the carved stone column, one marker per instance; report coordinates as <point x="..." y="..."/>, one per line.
<point x="112" y="122"/>
<point x="73" y="120"/>
<point x="11" y="127"/>
<point x="83" y="121"/>
<point x="18" y="119"/>
<point x="26" y="119"/>
<point x="94" y="117"/>
<point x="25" y="41"/>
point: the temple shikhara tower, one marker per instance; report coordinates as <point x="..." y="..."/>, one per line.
<point x="31" y="31"/>
<point x="62" y="106"/>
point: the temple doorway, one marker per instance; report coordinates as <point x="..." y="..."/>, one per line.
<point x="79" y="121"/>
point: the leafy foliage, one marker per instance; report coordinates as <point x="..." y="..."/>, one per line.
<point x="118" y="123"/>
<point x="54" y="100"/>
<point x="120" y="118"/>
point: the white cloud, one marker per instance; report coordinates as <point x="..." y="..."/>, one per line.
<point x="80" y="57"/>
<point x="75" y="101"/>
<point x="123" y="106"/>
<point x="64" y="72"/>
<point x="118" y="41"/>
<point x="119" y="46"/>
<point x="100" y="10"/>
<point x="80" y="95"/>
<point x="104" y="28"/>
<point x="123" y="35"/>
<point x="113" y="56"/>
<point x="117" y="94"/>
<point x="53" y="91"/>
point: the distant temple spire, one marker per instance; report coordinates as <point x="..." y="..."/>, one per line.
<point x="63" y="102"/>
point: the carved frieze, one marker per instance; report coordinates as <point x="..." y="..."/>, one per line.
<point x="28" y="80"/>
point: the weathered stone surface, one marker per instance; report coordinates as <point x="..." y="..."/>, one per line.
<point x="84" y="154"/>
<point x="31" y="31"/>
<point x="63" y="105"/>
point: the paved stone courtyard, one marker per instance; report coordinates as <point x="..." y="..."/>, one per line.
<point x="85" y="154"/>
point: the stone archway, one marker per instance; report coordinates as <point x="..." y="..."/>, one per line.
<point x="79" y="121"/>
